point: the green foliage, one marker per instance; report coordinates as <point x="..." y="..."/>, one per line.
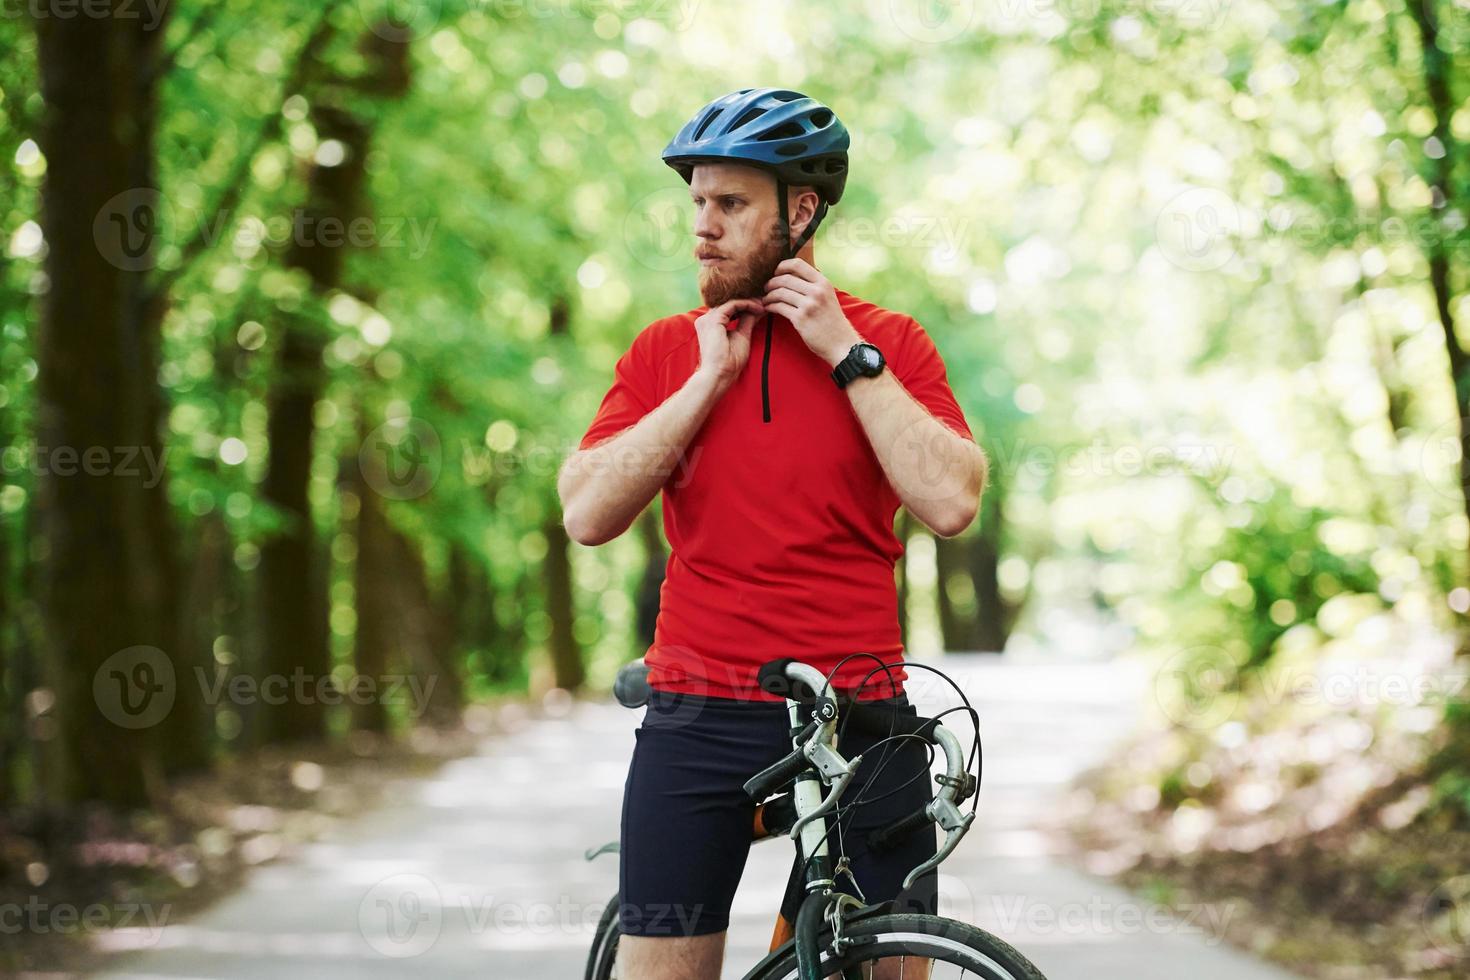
<point x="1013" y="190"/>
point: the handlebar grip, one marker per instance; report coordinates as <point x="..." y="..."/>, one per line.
<point x="773" y="680"/>
<point x="892" y="835"/>
<point x="631" y="686"/>
<point x="773" y="777"/>
<point x="883" y="722"/>
<point x="774" y="817"/>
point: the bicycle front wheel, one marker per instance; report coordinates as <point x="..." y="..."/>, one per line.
<point x="602" y="961"/>
<point x="956" y="950"/>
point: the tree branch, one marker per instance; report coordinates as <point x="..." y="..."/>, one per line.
<point x="166" y="63"/>
<point x="1441" y="104"/>
<point x="235" y="184"/>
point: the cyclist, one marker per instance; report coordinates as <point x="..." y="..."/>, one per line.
<point x="780" y="483"/>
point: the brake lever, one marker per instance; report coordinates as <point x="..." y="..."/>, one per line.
<point x="838" y="785"/>
<point x="943" y="812"/>
<point x="829" y="762"/>
<point x="943" y="809"/>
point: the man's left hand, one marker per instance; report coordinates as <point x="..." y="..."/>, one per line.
<point x="804" y="296"/>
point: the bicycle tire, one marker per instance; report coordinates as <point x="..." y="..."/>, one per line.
<point x="946" y="941"/>
<point x="602" y="960"/>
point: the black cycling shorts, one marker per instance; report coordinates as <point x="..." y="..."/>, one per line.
<point x="687" y="823"/>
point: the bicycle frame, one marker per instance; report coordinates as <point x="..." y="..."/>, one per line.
<point x="814" y="748"/>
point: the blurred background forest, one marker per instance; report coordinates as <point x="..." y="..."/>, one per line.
<point x="303" y="305"/>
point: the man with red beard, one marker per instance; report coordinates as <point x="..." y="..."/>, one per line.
<point x="780" y="483"/>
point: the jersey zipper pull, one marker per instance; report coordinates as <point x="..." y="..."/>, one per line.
<point x="766" y="373"/>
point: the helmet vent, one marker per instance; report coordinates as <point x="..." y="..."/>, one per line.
<point x="709" y="117"/>
<point x="791" y="149"/>
<point x="821" y="118"/>
<point x="785" y="131"/>
<point x="748" y="116"/>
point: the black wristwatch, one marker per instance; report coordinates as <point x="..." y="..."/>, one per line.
<point x="862" y="361"/>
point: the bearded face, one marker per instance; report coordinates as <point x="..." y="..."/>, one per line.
<point x="738" y="230"/>
<point x="739" y="276"/>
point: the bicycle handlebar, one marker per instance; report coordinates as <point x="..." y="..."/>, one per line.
<point x="885" y="838"/>
<point x="813" y="748"/>
<point x="774" y="776"/>
<point x="883" y="722"/>
<point x="793" y="679"/>
<point x="955" y="786"/>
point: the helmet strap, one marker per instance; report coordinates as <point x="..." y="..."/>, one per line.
<point x="811" y="229"/>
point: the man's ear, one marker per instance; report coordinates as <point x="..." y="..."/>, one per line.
<point x="803" y="203"/>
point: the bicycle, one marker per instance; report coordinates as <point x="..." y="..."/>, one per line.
<point x="834" y="933"/>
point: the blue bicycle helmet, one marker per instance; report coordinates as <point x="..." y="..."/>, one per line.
<point x="797" y="138"/>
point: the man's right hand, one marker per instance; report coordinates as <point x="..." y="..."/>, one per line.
<point x="724" y="348"/>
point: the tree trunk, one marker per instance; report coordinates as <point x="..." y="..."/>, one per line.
<point x="1441" y="181"/>
<point x="373" y="596"/>
<point x="250" y="649"/>
<point x="184" y="740"/>
<point x="1455" y="755"/>
<point x="956" y="629"/>
<point x="294" y="607"/>
<point x="449" y="651"/>
<point x="295" y="613"/>
<point x="11" y="723"/>
<point x="512" y="664"/>
<point x="12" y="716"/>
<point x="471" y="602"/>
<point x="201" y="608"/>
<point x="994" y="615"/>
<point x="433" y="695"/>
<point x="105" y="577"/>
<point x="41" y="758"/>
<point x="568" y="670"/>
<point x="477" y="623"/>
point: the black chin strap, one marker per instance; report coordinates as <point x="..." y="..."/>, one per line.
<point x="790" y="249"/>
<point x="811" y="229"/>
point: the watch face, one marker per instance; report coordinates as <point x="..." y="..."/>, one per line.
<point x="871" y="358"/>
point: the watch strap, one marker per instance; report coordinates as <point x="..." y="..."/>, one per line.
<point x="846" y="370"/>
<point x="851" y="366"/>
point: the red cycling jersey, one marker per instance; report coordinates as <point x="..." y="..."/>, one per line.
<point x="781" y="533"/>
